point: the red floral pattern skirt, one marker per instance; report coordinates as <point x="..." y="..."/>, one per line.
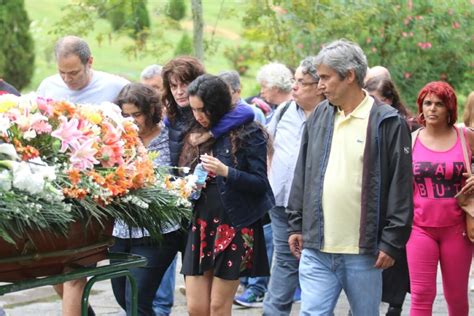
<point x="214" y="244"/>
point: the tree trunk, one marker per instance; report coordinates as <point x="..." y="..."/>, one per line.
<point x="198" y="25"/>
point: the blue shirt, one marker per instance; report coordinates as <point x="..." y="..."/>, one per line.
<point x="287" y="133"/>
<point x="259" y="116"/>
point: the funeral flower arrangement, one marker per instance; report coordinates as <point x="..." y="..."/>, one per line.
<point x="61" y="162"/>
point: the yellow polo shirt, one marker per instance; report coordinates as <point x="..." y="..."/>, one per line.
<point x="343" y="180"/>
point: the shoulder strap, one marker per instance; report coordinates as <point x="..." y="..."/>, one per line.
<point x="414" y="136"/>
<point x="283" y="110"/>
<point x="467" y="161"/>
<point x="470" y="138"/>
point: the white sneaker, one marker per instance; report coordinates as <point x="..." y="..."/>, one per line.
<point x="182" y="289"/>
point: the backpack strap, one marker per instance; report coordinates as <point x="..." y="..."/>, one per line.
<point x="283" y="110"/>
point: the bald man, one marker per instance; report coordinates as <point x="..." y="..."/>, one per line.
<point x="77" y="82"/>
<point x="377" y="71"/>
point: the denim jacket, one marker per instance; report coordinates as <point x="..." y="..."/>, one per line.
<point x="245" y="193"/>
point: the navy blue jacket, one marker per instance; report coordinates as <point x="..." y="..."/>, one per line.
<point x="184" y="120"/>
<point x="245" y="193"/>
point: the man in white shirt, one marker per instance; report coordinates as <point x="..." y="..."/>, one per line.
<point x="76" y="81"/>
<point x="286" y="128"/>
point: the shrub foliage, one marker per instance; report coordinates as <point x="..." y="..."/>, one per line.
<point x="16" y="44"/>
<point x="419" y="41"/>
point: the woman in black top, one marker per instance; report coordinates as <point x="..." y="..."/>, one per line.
<point x="225" y="239"/>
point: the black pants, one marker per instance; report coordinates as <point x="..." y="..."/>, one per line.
<point x="159" y="256"/>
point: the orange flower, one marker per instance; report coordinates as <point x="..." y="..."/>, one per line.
<point x="97" y="178"/>
<point x="27" y="152"/>
<point x="118" y="183"/>
<point x="75" y="192"/>
<point x="63" y="108"/>
<point x="74" y="175"/>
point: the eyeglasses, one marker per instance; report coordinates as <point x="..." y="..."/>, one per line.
<point x="301" y="83"/>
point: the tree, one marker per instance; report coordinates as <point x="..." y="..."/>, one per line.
<point x="16" y="44"/>
<point x="419" y="41"/>
<point x="198" y="26"/>
<point x="176" y="9"/>
<point x="185" y="46"/>
<point x="129" y="15"/>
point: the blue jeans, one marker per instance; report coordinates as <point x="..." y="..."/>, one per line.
<point x="258" y="285"/>
<point x="279" y="297"/>
<point x="164" y="297"/>
<point x="324" y="275"/>
<point x="159" y="256"/>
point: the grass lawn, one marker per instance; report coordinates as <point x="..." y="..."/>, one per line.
<point x="224" y="15"/>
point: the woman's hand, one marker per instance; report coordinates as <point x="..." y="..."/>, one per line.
<point x="198" y="138"/>
<point x="214" y="165"/>
<point x="468" y="188"/>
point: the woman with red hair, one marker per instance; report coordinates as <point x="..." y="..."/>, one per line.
<point x="439" y="232"/>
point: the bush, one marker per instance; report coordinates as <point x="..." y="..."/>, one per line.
<point x="176" y="9"/>
<point x="240" y="57"/>
<point x="16" y="44"/>
<point x="419" y="41"/>
<point x="131" y="15"/>
<point x="185" y="46"/>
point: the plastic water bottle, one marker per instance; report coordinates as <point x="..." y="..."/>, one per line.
<point x="201" y="175"/>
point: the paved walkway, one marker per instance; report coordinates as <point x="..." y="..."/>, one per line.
<point x="44" y="302"/>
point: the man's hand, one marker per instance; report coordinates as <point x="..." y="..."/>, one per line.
<point x="296" y="244"/>
<point x="384" y="261"/>
<point x="198" y="138"/>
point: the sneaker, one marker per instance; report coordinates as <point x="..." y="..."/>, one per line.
<point x="249" y="299"/>
<point x="182" y="290"/>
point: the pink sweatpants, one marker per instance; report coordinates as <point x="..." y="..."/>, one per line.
<point x="450" y="247"/>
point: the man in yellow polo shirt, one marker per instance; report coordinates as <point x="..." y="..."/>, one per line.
<point x="351" y="202"/>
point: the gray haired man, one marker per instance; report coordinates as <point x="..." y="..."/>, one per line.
<point x="232" y="78"/>
<point x="351" y="202"/>
<point x="151" y="76"/>
<point x="287" y="127"/>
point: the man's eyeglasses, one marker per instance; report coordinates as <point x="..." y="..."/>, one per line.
<point x="301" y="83"/>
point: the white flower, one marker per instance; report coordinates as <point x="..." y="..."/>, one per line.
<point x="9" y="150"/>
<point x="29" y="135"/>
<point x="190" y="182"/>
<point x="4" y="124"/>
<point x="24" y="179"/>
<point x="113" y="112"/>
<point x="40" y="168"/>
<point x="5" y="180"/>
<point x="28" y="102"/>
<point x="186" y="170"/>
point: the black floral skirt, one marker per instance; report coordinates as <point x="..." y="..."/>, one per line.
<point x="214" y="244"/>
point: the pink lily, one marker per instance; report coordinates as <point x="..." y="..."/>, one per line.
<point x="82" y="156"/>
<point x="112" y="154"/>
<point x="68" y="133"/>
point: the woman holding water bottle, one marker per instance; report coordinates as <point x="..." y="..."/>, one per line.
<point x="225" y="239"/>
